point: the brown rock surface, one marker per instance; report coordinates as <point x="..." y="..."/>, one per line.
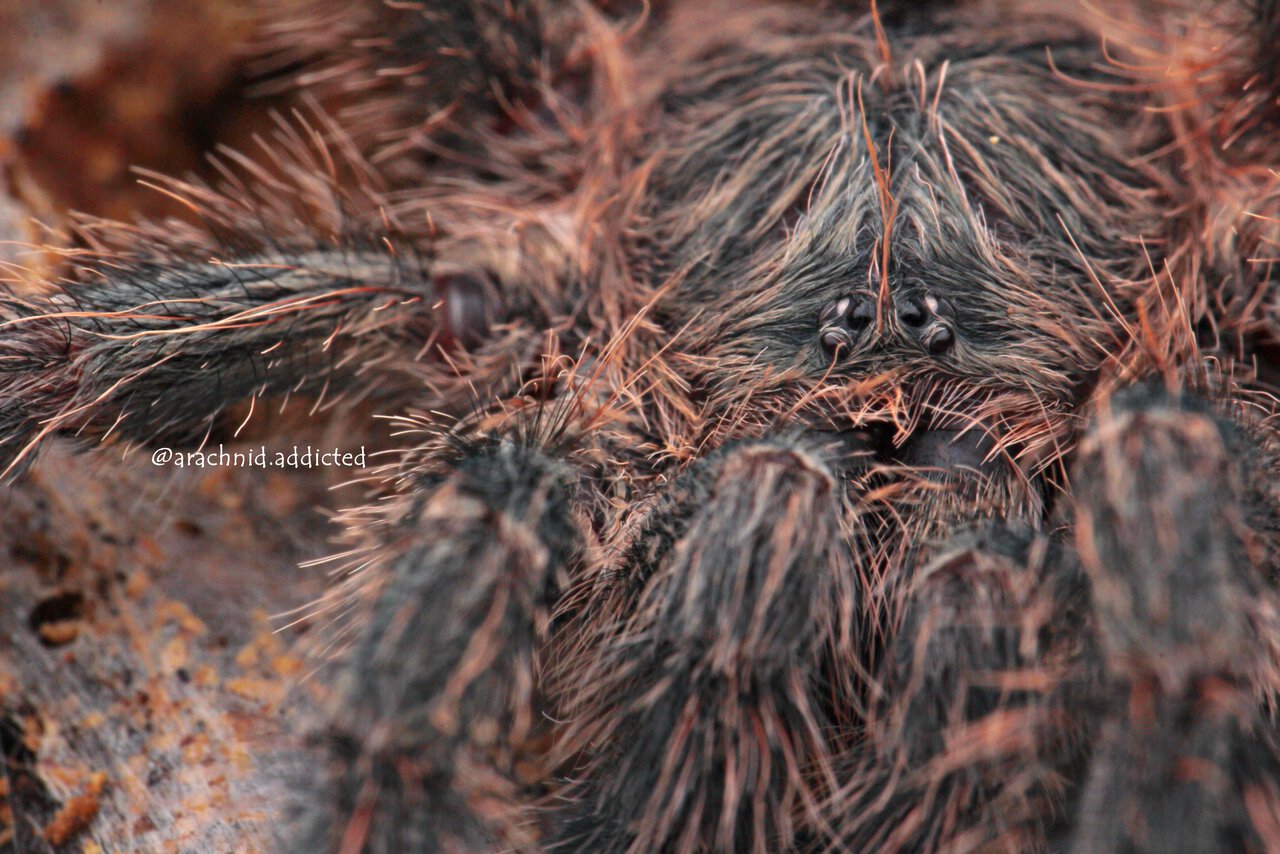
<point x="148" y="699"/>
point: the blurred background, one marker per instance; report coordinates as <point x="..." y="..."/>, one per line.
<point x="145" y="682"/>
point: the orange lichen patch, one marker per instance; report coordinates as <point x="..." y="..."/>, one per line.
<point x="76" y="814"/>
<point x="175" y="732"/>
<point x="175" y="654"/>
<point x="60" y="633"/>
<point x="248" y="656"/>
<point x="240" y="758"/>
<point x="93" y="720"/>
<point x="265" y="691"/>
<point x="265" y="650"/>
<point x="215" y="801"/>
<point x="137" y="584"/>
<point x="206" y="676"/>
<point x="134" y="781"/>
<point x="65" y="777"/>
<point x="287" y="665"/>
<point x="243" y="724"/>
<point x="173" y="611"/>
<point x="91" y="847"/>
<point x="186" y="826"/>
<point x="195" y="748"/>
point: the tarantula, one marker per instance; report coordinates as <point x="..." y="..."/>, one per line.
<point x="822" y="427"/>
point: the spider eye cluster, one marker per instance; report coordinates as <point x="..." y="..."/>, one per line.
<point x="922" y="319"/>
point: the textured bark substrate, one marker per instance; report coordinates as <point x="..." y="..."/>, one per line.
<point x="149" y="699"/>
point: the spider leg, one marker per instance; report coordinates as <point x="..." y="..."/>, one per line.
<point x="701" y="714"/>
<point x="300" y="281"/>
<point x="438" y="695"/>
<point x="159" y="345"/>
<point x="1175" y="529"/>
<point x="156" y="351"/>
<point x="964" y="750"/>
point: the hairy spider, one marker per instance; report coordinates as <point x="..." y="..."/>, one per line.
<point x="823" y="427"/>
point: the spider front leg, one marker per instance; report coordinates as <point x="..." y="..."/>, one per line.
<point x="161" y="343"/>
<point x="296" y="286"/>
<point x="965" y="749"/>
<point x="702" y="713"/>
<point x="438" y="696"/>
<point x="1176" y="523"/>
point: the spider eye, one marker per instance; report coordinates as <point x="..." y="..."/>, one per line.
<point x="465" y="302"/>
<point x="912" y="312"/>
<point x="862" y="314"/>
<point x="939" y="339"/>
<point x="844" y="320"/>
